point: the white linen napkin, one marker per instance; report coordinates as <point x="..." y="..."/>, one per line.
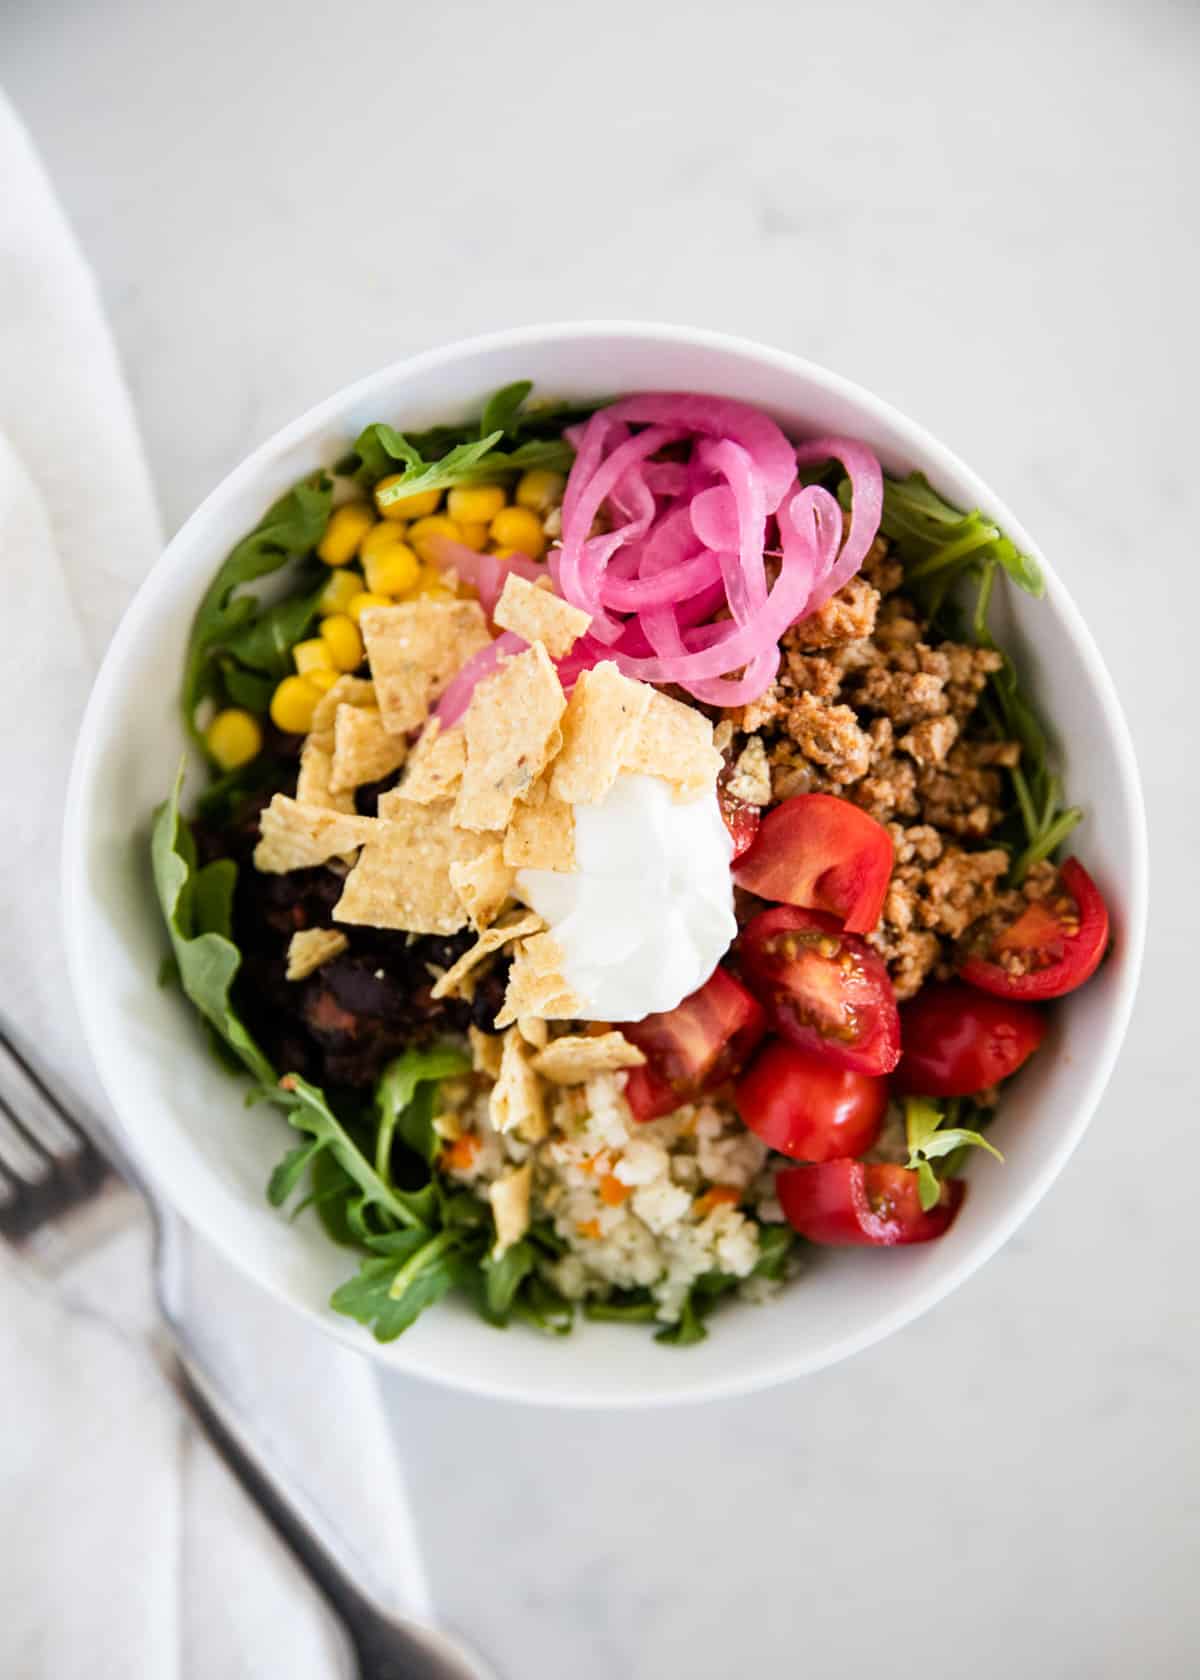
<point x="126" y="1549"/>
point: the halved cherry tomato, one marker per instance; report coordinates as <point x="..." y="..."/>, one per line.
<point x="824" y="990"/>
<point x="806" y="1108"/>
<point x="958" y="1041"/>
<point x="871" y="1205"/>
<point x="821" y="853"/>
<point x="740" y="818"/>
<point x="1053" y="946"/>
<point x="693" y="1048"/>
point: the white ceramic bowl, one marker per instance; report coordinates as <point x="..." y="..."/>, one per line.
<point x="184" y="1118"/>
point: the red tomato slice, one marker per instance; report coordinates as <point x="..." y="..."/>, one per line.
<point x="821" y="853"/>
<point x="824" y="990"/>
<point x="808" y="1109"/>
<point x="870" y="1205"/>
<point x="1052" y="947"/>
<point x="694" y="1047"/>
<point x="740" y="819"/>
<point x="958" y="1041"/>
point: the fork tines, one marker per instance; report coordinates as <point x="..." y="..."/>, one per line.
<point x="47" y="1163"/>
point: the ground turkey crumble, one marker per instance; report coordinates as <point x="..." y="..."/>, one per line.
<point x="870" y="706"/>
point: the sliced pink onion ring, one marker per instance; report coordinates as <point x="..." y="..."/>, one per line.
<point x="866" y="507"/>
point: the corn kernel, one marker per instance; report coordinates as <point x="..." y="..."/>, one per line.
<point x="292" y="705"/>
<point x="408" y="507"/>
<point x="358" y="604"/>
<point x="433" y="586"/>
<point x="233" y="738"/>
<point x="390" y="564"/>
<point x="347" y="527"/>
<point x="338" y="589"/>
<point x="323" y="678"/>
<point x="423" y="531"/>
<point x="311" y="656"/>
<point x="342" y="641"/>
<point x="475" y="504"/>
<point x="517" y="527"/>
<point x="504" y="553"/>
<point x="539" y="489"/>
<point x="474" y="537"/>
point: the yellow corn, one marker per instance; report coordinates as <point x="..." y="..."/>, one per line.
<point x="292" y="705"/>
<point x="233" y="738"/>
<point x="390" y="564"/>
<point x="347" y="527"/>
<point x="312" y="655"/>
<point x="423" y="531"/>
<point x="474" y="537"/>
<point x="475" y="504"/>
<point x="539" y="489"/>
<point x="433" y="586"/>
<point x="323" y="678"/>
<point x="358" y="604"/>
<point x="517" y="527"/>
<point x="408" y="507"/>
<point x="338" y="590"/>
<point x="342" y="642"/>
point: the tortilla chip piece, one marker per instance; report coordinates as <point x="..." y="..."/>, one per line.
<point x="414" y="650"/>
<point x="602" y="719"/>
<point x="296" y="836"/>
<point x="571" y="1060"/>
<point x="483" y="884"/>
<point x="316" y="769"/>
<point x="541" y="832"/>
<point x="675" y="742"/>
<point x="486" y="1050"/>
<point x="402" y="877"/>
<point x="539" y="616"/>
<point x="346" y="691"/>
<point x="533" y="1030"/>
<point x="512" y="927"/>
<point x="509" y="1197"/>
<point x="512" y="734"/>
<point x="536" y="985"/>
<point x="516" y="1102"/>
<point x="363" y="751"/>
<point x="435" y="765"/>
<point x="309" y="948"/>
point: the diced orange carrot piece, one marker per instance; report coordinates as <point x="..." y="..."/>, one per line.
<point x="612" y="1191"/>
<point x="721" y="1195"/>
<point x="459" y="1156"/>
<point x="589" y="1228"/>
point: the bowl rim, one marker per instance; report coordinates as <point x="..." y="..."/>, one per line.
<point x="76" y="851"/>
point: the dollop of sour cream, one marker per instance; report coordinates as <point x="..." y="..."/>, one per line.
<point x="648" y="913"/>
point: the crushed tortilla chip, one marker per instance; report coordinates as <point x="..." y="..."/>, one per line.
<point x="602" y="719"/>
<point x="533" y="1030"/>
<point x="309" y="948"/>
<point x="484" y="883"/>
<point x="486" y="1050"/>
<point x="316" y="769"/>
<point x="516" y="1103"/>
<point x="509" y="1197"/>
<point x="435" y="765"/>
<point x="536" y="985"/>
<point x="503" y="933"/>
<point x="538" y="616"/>
<point x="414" y="649"/>
<point x="346" y="691"/>
<point x="296" y="836"/>
<point x="571" y="1060"/>
<point x="675" y="743"/>
<point x="512" y="734"/>
<point x="541" y="833"/>
<point x="402" y="877"/>
<point x="363" y="751"/>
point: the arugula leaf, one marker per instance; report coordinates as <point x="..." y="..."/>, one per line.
<point x="541" y="1306"/>
<point x="196" y="907"/>
<point x="413" y="1075"/>
<point x="626" y="1306"/>
<point x="932" y="536"/>
<point x="308" y="1111"/>
<point x="248" y="689"/>
<point x="501" y="409"/>
<point x="391" y="1290"/>
<point x="929" y="1140"/>
<point x="503" y="1277"/>
<point x="688" y="1329"/>
<point x="289" y="529"/>
<point x="265" y="644"/>
<point x="468" y="463"/>
<point x="775" y="1244"/>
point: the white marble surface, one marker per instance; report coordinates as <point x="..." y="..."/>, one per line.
<point x="987" y="213"/>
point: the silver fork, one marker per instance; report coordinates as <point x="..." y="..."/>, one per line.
<point x="65" y="1182"/>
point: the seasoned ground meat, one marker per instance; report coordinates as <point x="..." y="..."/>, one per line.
<point x="848" y="616"/>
